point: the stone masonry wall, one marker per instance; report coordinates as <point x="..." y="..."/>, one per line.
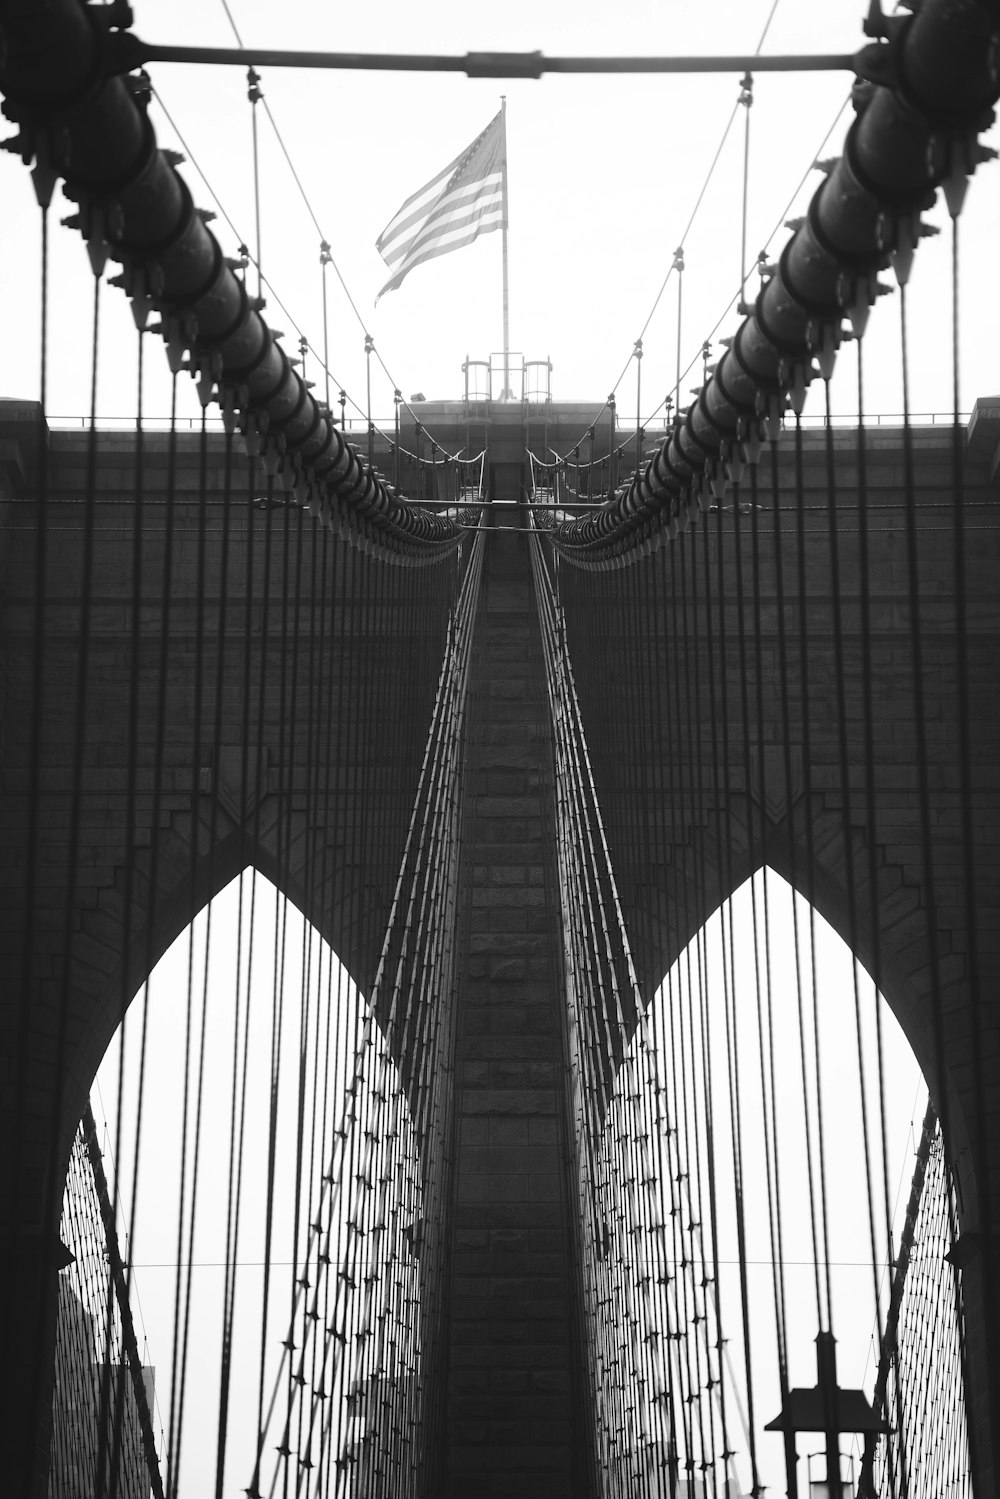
<point x="514" y="1421"/>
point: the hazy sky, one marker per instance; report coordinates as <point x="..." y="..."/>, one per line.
<point x="603" y="173"/>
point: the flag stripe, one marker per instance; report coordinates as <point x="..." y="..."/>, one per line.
<point x="425" y="196"/>
<point x="446" y="213"/>
<point x="464" y="200"/>
<point x="418" y="202"/>
<point x="486" y="171"/>
<point x="426" y="192"/>
<point x="392" y="249"/>
<point x="439" y="249"/>
<point x="491" y="211"/>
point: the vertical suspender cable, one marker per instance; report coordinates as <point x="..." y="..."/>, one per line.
<point x="74" y="821"/>
<point x="124" y="996"/>
<point x="324" y="260"/>
<point x="762" y="999"/>
<point x="638" y="406"/>
<point x="195" y="816"/>
<point x="173" y="1453"/>
<point x="942" y="1100"/>
<point x="254" y="94"/>
<point x="840" y="675"/>
<point x="920" y="726"/>
<point x="983" y="1163"/>
<point x="39" y="633"/>
<point x="793" y="859"/>
<point x="724" y="835"/>
<point x="260" y="760"/>
<point x="244" y="925"/>
<point x="369" y="346"/>
<point x="746" y="99"/>
<point x="871" y="821"/>
<point x="225" y="1356"/>
<point x="810" y="869"/>
<point x="132" y="752"/>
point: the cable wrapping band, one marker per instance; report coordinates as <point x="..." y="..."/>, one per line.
<point x="79" y="123"/>
<point x="927" y="89"/>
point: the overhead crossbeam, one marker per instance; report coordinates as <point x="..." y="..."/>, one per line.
<point x="129" y="52"/>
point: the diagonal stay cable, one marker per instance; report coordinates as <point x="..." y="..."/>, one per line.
<point x="694" y="214"/>
<point x="264" y="280"/>
<point x="734" y="299"/>
<point x="324" y="240"/>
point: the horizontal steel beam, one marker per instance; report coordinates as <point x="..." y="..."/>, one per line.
<point x="132" y="52"/>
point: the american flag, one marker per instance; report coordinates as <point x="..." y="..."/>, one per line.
<point x="464" y="200"/>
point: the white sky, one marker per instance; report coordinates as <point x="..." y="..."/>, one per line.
<point x="603" y="177"/>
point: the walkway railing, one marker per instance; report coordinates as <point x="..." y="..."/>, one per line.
<point x="103" y="1439"/>
<point x="920" y="1387"/>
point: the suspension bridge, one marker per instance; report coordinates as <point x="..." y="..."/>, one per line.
<point x="458" y="763"/>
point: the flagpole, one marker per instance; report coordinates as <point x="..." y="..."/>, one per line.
<point x="503" y="229"/>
